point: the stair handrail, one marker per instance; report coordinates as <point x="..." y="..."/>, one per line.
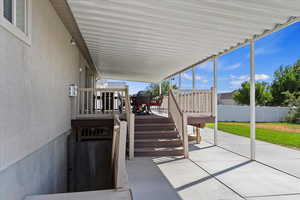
<point x="130" y="117"/>
<point x="180" y="120"/>
<point x="118" y="156"/>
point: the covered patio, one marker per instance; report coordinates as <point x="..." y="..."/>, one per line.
<point x="152" y="41"/>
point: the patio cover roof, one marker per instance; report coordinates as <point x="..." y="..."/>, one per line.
<point x="149" y="40"/>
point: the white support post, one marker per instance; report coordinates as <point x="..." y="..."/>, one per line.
<point x="159" y="85"/>
<point x="215" y="101"/>
<point x="179" y="84"/>
<point x="252" y="101"/>
<point x="193" y="75"/>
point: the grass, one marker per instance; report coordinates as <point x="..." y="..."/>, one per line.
<point x="272" y="132"/>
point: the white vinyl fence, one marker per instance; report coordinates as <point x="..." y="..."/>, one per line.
<point x="242" y="113"/>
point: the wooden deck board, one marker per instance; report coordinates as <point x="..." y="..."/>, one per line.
<point x="196" y="120"/>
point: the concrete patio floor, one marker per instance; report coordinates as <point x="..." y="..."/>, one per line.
<point x="279" y="157"/>
<point x="214" y="173"/>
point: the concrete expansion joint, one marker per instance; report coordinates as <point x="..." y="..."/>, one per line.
<point x="254" y="160"/>
<point x="221" y="172"/>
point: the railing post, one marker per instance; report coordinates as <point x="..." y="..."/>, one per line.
<point x="131" y="136"/>
<point x="169" y="103"/>
<point x="160" y="92"/>
<point x="121" y="177"/>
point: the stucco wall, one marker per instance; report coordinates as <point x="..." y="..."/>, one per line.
<point x="34" y="104"/>
<point x="42" y="172"/>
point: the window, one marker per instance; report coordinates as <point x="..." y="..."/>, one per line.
<point x="21" y="14"/>
<point x="8" y="6"/>
<point x="15" y="17"/>
<point x="15" y="13"/>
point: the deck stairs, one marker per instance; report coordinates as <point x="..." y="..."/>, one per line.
<point x="156" y="136"/>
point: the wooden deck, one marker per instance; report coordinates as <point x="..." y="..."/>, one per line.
<point x="193" y="119"/>
<point x="198" y="119"/>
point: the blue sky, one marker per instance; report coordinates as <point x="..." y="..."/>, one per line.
<point x="280" y="48"/>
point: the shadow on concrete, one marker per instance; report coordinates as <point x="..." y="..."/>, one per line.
<point x="158" y="162"/>
<point x="211" y="175"/>
<point x="196" y="148"/>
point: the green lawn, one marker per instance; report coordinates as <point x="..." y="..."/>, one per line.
<point x="285" y="138"/>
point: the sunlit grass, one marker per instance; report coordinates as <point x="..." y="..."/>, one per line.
<point x="285" y="138"/>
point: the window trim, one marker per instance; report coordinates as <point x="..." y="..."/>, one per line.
<point x="12" y="27"/>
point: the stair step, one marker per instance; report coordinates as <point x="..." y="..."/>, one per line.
<point x="155" y="134"/>
<point x="153" y="120"/>
<point x="140" y="143"/>
<point x="154" y="126"/>
<point x="178" y="151"/>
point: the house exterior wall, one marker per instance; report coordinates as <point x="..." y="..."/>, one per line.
<point x="41" y="172"/>
<point x="34" y="104"/>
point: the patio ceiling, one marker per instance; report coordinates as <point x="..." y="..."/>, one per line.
<point x="148" y="40"/>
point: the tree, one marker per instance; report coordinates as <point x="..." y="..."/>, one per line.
<point x="285" y="79"/>
<point x="262" y="94"/>
<point x="153" y="89"/>
<point x="293" y="101"/>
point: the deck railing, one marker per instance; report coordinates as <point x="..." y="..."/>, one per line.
<point x="180" y="120"/>
<point x="97" y="102"/>
<point x="195" y="101"/>
<point x="191" y="101"/>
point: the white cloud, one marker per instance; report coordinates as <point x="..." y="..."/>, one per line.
<point x="265" y="51"/>
<point x="186" y="76"/>
<point x="236" y="81"/>
<point x="232" y="67"/>
<point x="262" y="77"/>
<point x="206" y="66"/>
<point x="197" y="77"/>
<point x="190" y="77"/>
